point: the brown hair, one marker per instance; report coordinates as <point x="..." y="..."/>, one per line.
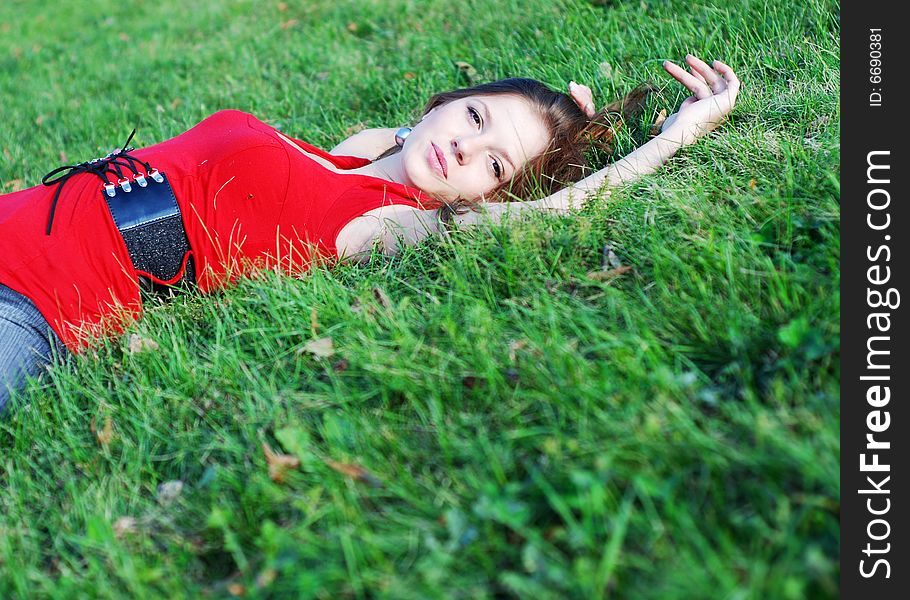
<point x="572" y="133"/>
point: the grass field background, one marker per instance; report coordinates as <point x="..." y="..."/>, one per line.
<point x="496" y="418"/>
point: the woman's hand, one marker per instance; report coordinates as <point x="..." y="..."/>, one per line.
<point x="583" y="97"/>
<point x="714" y="90"/>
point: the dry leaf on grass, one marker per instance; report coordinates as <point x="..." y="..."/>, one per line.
<point x="141" y="344"/>
<point x="106" y="433"/>
<point x="355" y="128"/>
<point x="514" y="347"/>
<point x="320" y="347"/>
<point x="266" y="577"/>
<point x="314" y="320"/>
<point x="124" y="525"/>
<point x="468" y="70"/>
<point x="658" y="122"/>
<point x="355" y="472"/>
<point x="382" y="297"/>
<point x="473" y="381"/>
<point x="169" y="491"/>
<point x="609" y="273"/>
<point x="608" y="259"/>
<point x="279" y="464"/>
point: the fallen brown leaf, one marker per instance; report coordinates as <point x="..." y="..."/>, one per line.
<point x="14" y="184"/>
<point x="236" y="589"/>
<point x="472" y="381"/>
<point x="661" y="117"/>
<point x="314" y="320"/>
<point x="609" y="273"/>
<point x="320" y="347"/>
<point x="266" y="577"/>
<point x="141" y="344"/>
<point x="288" y="24"/>
<point x="355" y="472"/>
<point x="169" y="491"/>
<point x="124" y="525"/>
<point x="282" y="6"/>
<point x="383" y="298"/>
<point x="467" y="70"/>
<point x="279" y="464"/>
<point x="514" y="347"/>
<point x="106" y="433"/>
<point x="608" y="258"/>
<point x="355" y="128"/>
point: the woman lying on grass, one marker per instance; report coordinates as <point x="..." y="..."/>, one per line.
<point x="233" y="195"/>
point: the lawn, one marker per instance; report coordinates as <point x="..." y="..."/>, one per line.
<point x="494" y="416"/>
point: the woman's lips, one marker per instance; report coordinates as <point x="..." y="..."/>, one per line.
<point x="437" y="160"/>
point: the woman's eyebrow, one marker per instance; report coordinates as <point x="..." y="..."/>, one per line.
<point x="486" y="111"/>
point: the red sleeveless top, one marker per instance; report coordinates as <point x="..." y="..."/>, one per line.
<point x="249" y="200"/>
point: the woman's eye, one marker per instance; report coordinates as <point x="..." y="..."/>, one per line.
<point x="497" y="169"/>
<point x="474" y="115"/>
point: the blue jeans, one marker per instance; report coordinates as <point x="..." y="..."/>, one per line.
<point x="26" y="342"/>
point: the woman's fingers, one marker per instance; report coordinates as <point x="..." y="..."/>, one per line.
<point x="583" y="97"/>
<point x="711" y="78"/>
<point x="692" y="83"/>
<point x="730" y="77"/>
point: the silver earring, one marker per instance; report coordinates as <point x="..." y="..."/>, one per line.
<point x="401" y="135"/>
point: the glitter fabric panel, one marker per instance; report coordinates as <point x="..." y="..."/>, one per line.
<point x="149" y="220"/>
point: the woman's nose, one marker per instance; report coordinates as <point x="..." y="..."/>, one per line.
<point x="463" y="149"/>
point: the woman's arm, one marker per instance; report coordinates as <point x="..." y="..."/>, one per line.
<point x="369" y="143"/>
<point x="395" y="226"/>
<point x="714" y="95"/>
<point x="399" y="225"/>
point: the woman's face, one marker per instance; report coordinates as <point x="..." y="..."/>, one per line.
<point x="468" y="147"/>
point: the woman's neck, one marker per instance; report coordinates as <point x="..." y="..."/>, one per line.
<point x="389" y="168"/>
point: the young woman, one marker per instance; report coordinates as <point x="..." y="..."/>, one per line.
<point x="232" y="194"/>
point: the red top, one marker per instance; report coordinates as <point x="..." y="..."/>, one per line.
<point x="248" y="200"/>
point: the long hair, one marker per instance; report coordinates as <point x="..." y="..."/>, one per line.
<point x="572" y="133"/>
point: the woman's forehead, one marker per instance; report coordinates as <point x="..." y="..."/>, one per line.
<point x="515" y="117"/>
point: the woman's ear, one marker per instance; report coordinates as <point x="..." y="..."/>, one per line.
<point x="429" y="112"/>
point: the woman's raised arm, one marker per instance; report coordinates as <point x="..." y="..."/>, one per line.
<point x="714" y="95"/>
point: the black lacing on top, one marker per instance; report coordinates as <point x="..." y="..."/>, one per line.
<point x="99" y="167"/>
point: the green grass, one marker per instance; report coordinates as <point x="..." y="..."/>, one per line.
<point x="529" y="431"/>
